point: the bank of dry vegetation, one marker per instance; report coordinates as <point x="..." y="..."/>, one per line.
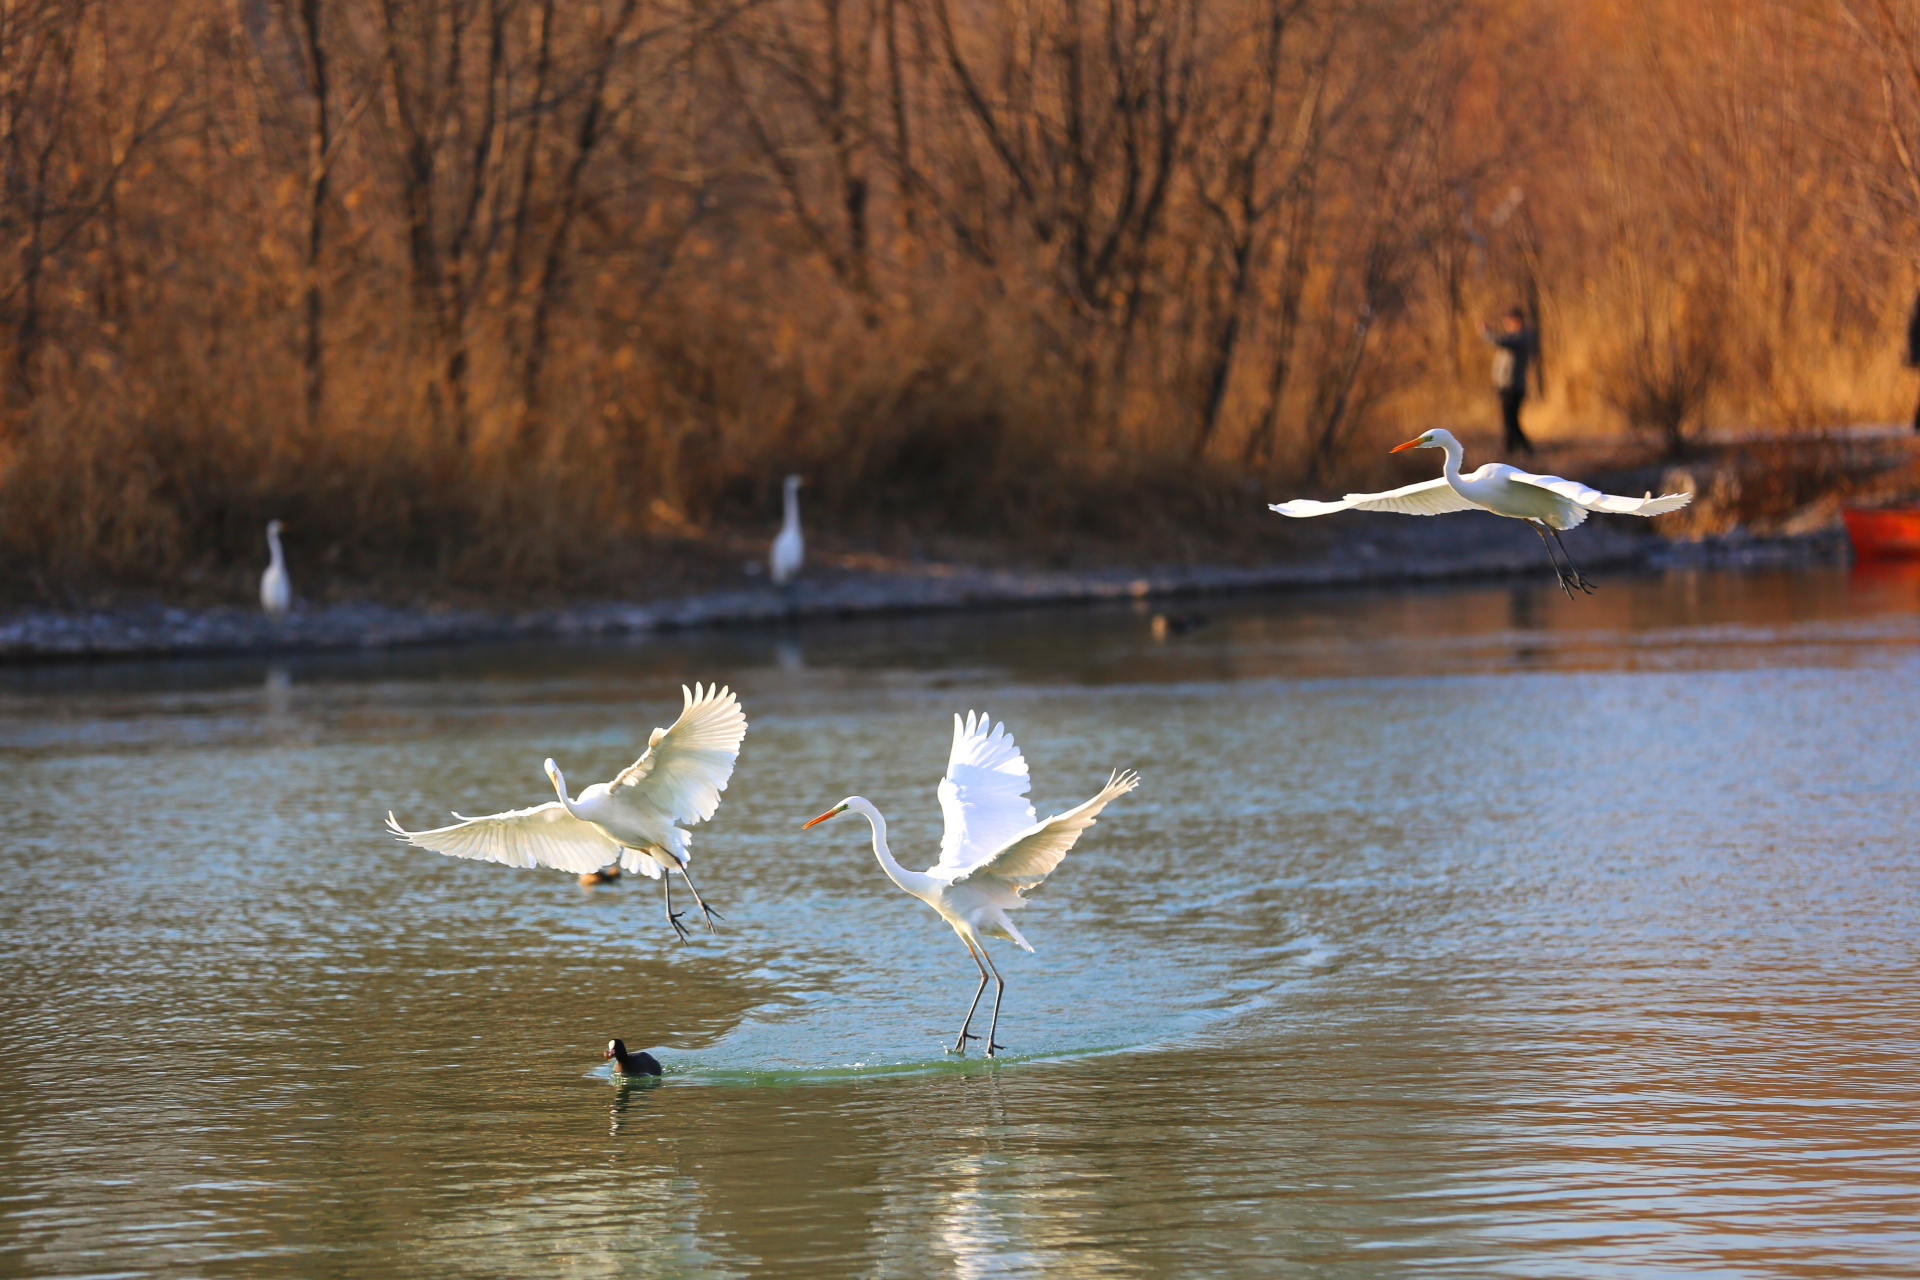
<point x="520" y="295"/>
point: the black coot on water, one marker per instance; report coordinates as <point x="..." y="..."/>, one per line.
<point x="631" y="1064"/>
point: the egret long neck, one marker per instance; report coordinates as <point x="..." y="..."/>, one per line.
<point x="560" y="786"/>
<point x="1455" y="456"/>
<point x="273" y="546"/>
<point x="792" y="522"/>
<point x="917" y="883"/>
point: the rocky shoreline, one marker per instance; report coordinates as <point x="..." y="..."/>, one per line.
<point x="1364" y="555"/>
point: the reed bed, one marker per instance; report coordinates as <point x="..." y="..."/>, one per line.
<point x="508" y="298"/>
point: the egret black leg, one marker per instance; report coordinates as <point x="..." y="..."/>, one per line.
<point x="673" y="917"/>
<point x="1559" y="574"/>
<point x="960" y="1045"/>
<point x="999" y="989"/>
<point x="708" y="912"/>
<point x="1579" y="578"/>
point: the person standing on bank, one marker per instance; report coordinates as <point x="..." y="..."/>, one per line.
<point x="1913" y="349"/>
<point x="1513" y="352"/>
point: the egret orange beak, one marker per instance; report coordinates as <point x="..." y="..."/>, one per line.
<point x="1411" y="444"/>
<point x="817" y="821"/>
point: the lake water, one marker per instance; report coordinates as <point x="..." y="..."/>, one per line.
<point x="1456" y="932"/>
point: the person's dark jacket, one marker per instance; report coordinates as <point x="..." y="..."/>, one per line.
<point x="1510" y="360"/>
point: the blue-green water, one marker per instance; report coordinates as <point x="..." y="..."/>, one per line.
<point x="1457" y="932"/>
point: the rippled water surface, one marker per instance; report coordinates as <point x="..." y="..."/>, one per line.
<point x="1467" y="932"/>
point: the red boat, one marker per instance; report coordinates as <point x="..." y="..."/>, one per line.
<point x="1883" y="533"/>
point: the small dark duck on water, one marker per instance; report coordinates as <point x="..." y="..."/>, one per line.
<point x="630" y="1064"/>
<point x="1176" y="624"/>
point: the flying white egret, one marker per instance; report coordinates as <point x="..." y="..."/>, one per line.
<point x="1547" y="503"/>
<point x="276" y="592"/>
<point x="993" y="853"/>
<point x="631" y="820"/>
<point x="789" y="548"/>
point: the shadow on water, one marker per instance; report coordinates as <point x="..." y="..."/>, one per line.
<point x="1464" y="931"/>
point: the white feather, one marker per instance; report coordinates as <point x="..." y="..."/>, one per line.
<point x="984" y="795"/>
<point x="1552" y="501"/>
<point x="634" y="819"/>
<point x="993" y="851"/>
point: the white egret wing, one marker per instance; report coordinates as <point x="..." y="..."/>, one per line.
<point x="686" y="767"/>
<point x="1031" y="856"/>
<point x="543" y="836"/>
<point x="1428" y="498"/>
<point x="1592" y="499"/>
<point x="984" y="795"/>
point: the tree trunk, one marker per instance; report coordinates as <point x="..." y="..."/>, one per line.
<point x="319" y="158"/>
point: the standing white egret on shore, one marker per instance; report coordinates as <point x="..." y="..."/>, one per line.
<point x="789" y="548"/>
<point x="993" y="853"/>
<point x="632" y="820"/>
<point x="1547" y="503"/>
<point x="276" y="591"/>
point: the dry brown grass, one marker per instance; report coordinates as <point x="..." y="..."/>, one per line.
<point x="554" y="317"/>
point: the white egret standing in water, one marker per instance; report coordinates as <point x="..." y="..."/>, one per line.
<point x="1547" y="503"/>
<point x="993" y="853"/>
<point x="789" y="548"/>
<point x="276" y="592"/>
<point x="631" y="820"/>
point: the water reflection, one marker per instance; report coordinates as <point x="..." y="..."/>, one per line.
<point x="970" y="1223"/>
<point x="1686" y="613"/>
<point x="627" y="1093"/>
<point x="1524" y="614"/>
<point x="1473" y="932"/>
<point x="1895" y="579"/>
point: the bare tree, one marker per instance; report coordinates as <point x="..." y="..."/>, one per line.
<point x="1258" y="170"/>
<point x="445" y="64"/>
<point x="62" y="157"/>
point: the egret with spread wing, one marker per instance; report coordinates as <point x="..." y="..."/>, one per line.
<point x="1547" y="503"/>
<point x="993" y="853"/>
<point x="633" y="820"/>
